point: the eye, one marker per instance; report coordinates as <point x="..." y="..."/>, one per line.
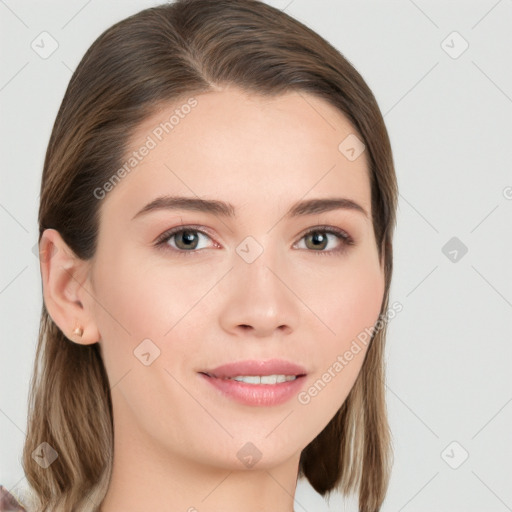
<point x="187" y="239"/>
<point x="319" y="237"/>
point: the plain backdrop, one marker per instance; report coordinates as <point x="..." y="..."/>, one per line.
<point x="441" y="73"/>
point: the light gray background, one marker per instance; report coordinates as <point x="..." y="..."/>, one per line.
<point x="449" y="350"/>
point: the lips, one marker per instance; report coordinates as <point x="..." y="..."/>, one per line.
<point x="256" y="368"/>
<point x="254" y="385"/>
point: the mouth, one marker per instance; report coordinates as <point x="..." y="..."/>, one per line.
<point x="259" y="379"/>
<point x="258" y="372"/>
<point x="261" y="383"/>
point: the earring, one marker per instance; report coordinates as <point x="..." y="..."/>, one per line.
<point x="78" y="331"/>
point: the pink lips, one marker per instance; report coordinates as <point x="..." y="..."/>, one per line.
<point x="270" y="367"/>
<point x="256" y="394"/>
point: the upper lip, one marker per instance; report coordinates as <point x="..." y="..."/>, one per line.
<point x="253" y="367"/>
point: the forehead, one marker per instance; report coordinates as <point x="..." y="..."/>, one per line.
<point x="243" y="148"/>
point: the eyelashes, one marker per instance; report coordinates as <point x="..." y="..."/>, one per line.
<point x="316" y="234"/>
<point x="342" y="238"/>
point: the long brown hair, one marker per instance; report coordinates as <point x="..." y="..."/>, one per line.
<point x="157" y="56"/>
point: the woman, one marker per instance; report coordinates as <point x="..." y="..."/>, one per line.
<point x="217" y="209"/>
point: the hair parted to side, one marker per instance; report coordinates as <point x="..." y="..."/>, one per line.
<point x="161" y="55"/>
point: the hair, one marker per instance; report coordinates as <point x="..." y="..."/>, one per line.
<point x="153" y="58"/>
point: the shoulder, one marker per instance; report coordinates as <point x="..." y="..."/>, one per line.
<point x="8" y="503"/>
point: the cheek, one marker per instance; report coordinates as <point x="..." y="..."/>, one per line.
<point x="351" y="306"/>
<point x="358" y="305"/>
<point x="347" y="300"/>
<point x="126" y="311"/>
<point x="139" y="300"/>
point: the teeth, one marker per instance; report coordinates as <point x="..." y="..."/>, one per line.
<point x="264" y="379"/>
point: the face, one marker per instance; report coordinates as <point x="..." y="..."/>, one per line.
<point x="255" y="281"/>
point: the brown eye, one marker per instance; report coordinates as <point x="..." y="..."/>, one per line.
<point x="319" y="238"/>
<point x="186" y="240"/>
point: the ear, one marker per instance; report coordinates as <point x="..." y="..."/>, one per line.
<point x="66" y="288"/>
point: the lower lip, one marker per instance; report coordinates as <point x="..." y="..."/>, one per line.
<point x="257" y="394"/>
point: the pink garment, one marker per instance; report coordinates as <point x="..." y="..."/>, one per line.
<point x="8" y="503"/>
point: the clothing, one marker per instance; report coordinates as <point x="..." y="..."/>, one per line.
<point x="8" y="503"/>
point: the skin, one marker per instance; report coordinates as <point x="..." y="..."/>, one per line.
<point x="176" y="437"/>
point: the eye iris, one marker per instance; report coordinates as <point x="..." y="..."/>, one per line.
<point x="187" y="237"/>
<point x="317" y="236"/>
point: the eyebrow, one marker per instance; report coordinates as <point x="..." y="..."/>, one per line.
<point x="224" y="209"/>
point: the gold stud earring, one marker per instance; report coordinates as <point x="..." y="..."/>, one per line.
<point x="78" y="331"/>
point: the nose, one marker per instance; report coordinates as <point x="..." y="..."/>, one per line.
<point x="259" y="300"/>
